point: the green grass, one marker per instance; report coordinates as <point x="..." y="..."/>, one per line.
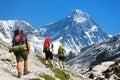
<point x="60" y="74"/>
<point x="35" y="79"/>
<point x="47" y="77"/>
<point x="41" y="58"/>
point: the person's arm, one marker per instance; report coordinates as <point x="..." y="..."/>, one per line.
<point x="52" y="48"/>
<point x="28" y="46"/>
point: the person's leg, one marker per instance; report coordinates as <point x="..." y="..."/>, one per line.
<point x="51" y="63"/>
<point x="19" y="69"/>
<point x="51" y="59"/>
<point x="25" y="57"/>
<point x="46" y="60"/>
<point x="19" y="64"/>
<point x="26" y="67"/>
<point x="63" y="62"/>
<point x="60" y="62"/>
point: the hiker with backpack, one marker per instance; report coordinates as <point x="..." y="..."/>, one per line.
<point x="61" y="56"/>
<point x="21" y="54"/>
<point x="48" y="50"/>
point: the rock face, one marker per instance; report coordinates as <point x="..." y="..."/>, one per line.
<point x="113" y="70"/>
<point x="102" y="60"/>
<point x="93" y="55"/>
<point x="75" y="31"/>
<point x="105" y="71"/>
<point x="4" y="54"/>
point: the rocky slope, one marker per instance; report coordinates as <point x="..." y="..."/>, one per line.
<point x="96" y="60"/>
<point x="8" y="67"/>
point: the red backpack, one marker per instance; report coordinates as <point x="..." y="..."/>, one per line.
<point x="20" y="37"/>
<point x="47" y="43"/>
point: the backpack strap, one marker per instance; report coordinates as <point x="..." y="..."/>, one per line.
<point x="13" y="41"/>
<point x="23" y="36"/>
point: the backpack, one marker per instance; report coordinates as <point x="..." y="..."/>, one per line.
<point x="19" y="37"/>
<point x="18" y="48"/>
<point x="61" y="51"/>
<point x="47" y="43"/>
<point x="20" y="42"/>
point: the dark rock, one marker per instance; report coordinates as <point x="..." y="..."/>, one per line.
<point x="90" y="68"/>
<point x="118" y="74"/>
<point x="107" y="75"/>
<point x="99" y="78"/>
<point x="92" y="76"/>
<point x="116" y="62"/>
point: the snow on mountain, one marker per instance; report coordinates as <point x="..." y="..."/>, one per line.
<point x="108" y="50"/>
<point x="7" y="29"/>
<point x="75" y="31"/>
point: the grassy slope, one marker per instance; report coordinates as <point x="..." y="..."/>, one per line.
<point x="58" y="72"/>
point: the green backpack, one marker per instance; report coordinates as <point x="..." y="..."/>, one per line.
<point x="61" y="51"/>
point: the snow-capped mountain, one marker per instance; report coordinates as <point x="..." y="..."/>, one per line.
<point x="75" y="31"/>
<point x="108" y="50"/>
<point x="7" y="29"/>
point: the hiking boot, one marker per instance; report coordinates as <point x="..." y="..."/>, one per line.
<point x="51" y="66"/>
<point x="26" y="72"/>
<point x="60" y="66"/>
<point x="47" y="66"/>
<point x="19" y="74"/>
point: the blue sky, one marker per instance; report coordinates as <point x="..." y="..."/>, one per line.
<point x="41" y="12"/>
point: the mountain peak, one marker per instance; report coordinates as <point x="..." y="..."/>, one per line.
<point x="77" y="11"/>
<point x="76" y="31"/>
<point x="79" y="16"/>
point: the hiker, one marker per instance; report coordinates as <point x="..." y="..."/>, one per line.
<point x="48" y="50"/>
<point x="61" y="56"/>
<point x="19" y="39"/>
